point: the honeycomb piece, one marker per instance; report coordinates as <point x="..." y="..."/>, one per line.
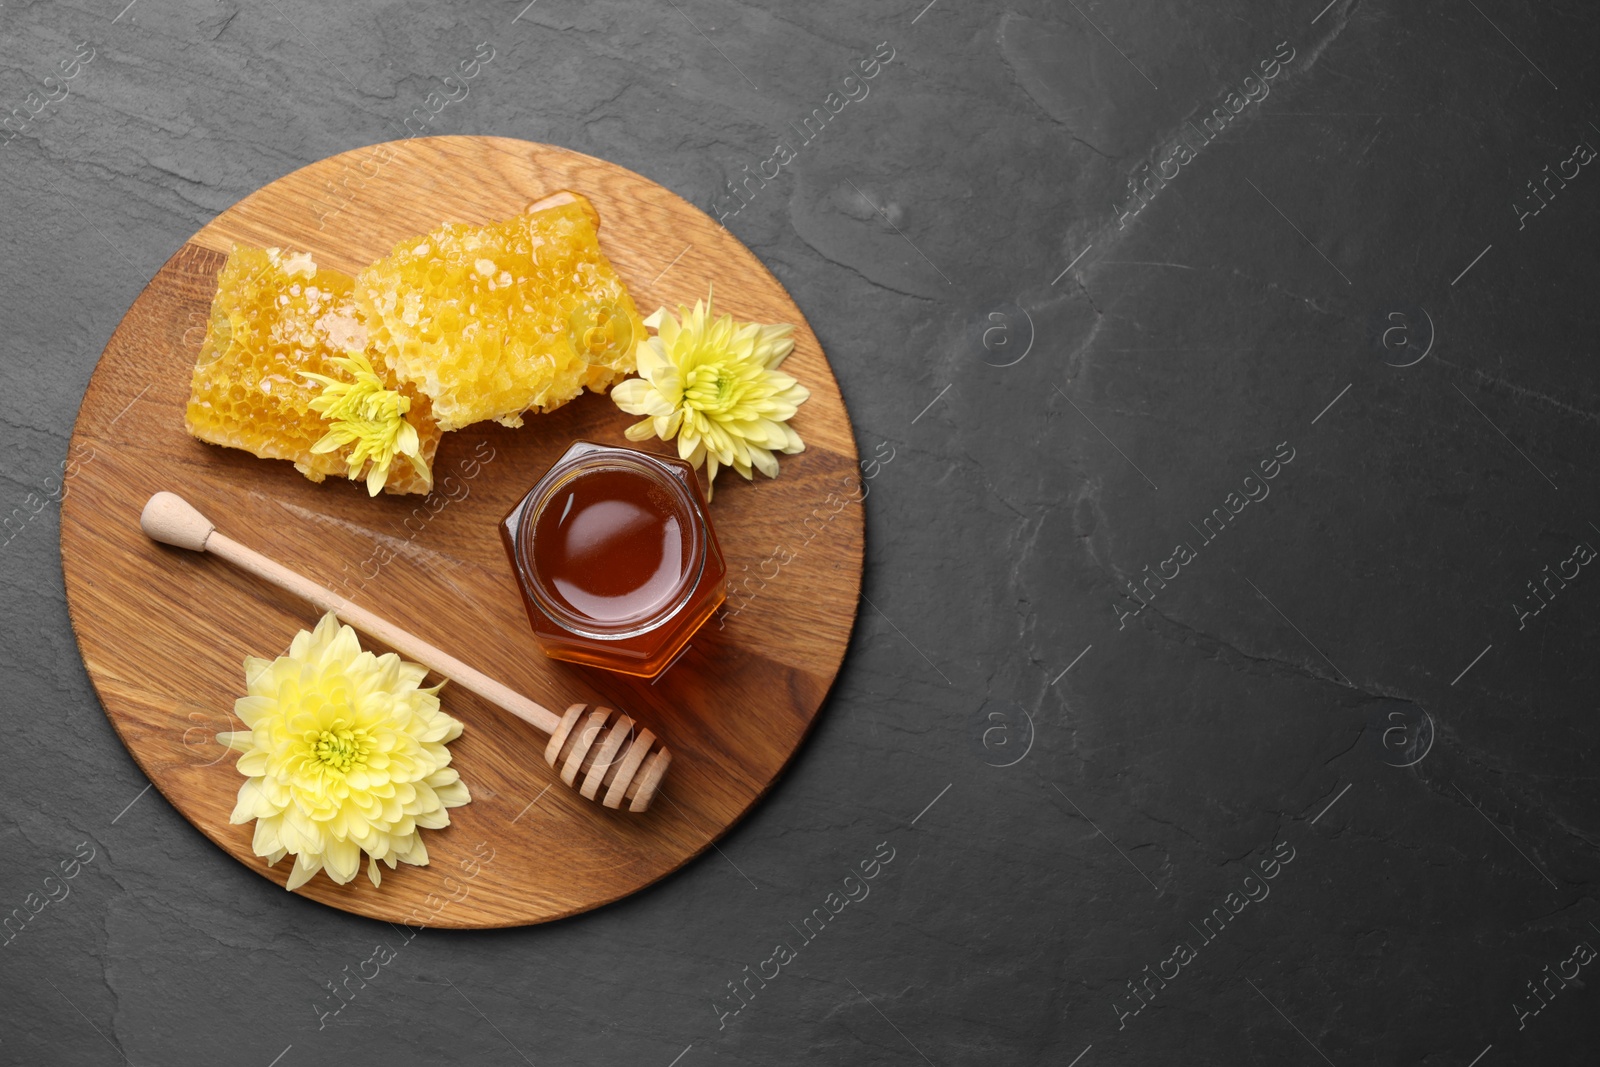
<point x="273" y="317"/>
<point x="493" y="321"/>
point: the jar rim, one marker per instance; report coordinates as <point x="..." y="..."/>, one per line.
<point x="594" y="460"/>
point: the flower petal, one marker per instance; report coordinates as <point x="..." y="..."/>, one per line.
<point x="633" y="396"/>
<point x="641" y="431"/>
<point x="342" y="860"/>
<point x="238" y="740"/>
<point x="304" y="868"/>
<point x="764" y="462"/>
<point x="649" y="356"/>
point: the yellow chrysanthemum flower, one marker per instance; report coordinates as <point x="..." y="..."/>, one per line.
<point x="373" y="417"/>
<point x="344" y="754"/>
<point x="714" y="384"/>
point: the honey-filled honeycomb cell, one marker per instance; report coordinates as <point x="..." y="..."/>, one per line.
<point x="493" y="321"/>
<point x="275" y="316"/>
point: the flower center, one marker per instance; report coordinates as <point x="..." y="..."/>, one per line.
<point x="707" y="389"/>
<point x="341" y="749"/>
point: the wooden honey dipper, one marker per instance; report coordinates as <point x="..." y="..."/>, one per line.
<point x="605" y="751"/>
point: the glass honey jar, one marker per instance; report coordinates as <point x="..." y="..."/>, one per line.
<point x="616" y="558"/>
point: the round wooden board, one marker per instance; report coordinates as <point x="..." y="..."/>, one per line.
<point x="163" y="632"/>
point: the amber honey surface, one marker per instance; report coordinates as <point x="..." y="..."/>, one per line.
<point x="612" y="547"/>
<point x="616" y="558"/>
<point x="272" y="318"/>
<point x="493" y="321"/>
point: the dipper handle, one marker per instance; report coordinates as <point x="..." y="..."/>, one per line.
<point x="606" y="752"/>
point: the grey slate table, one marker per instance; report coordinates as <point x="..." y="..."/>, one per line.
<point x="1226" y="689"/>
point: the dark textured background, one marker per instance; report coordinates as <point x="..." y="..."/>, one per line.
<point x="1086" y="820"/>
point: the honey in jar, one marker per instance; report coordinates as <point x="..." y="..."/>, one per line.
<point x="616" y="558"/>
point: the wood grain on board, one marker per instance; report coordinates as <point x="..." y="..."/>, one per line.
<point x="163" y="632"/>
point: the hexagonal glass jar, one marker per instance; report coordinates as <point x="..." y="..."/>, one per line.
<point x="616" y="558"/>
